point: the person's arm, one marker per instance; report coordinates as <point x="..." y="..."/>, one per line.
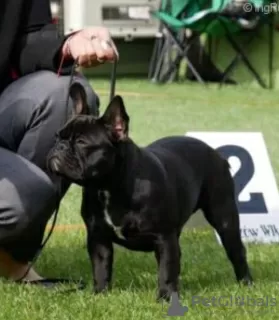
<point x="41" y="50"/>
<point x="36" y="44"/>
<point x="40" y="47"/>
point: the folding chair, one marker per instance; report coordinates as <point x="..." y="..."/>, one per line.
<point x="172" y="35"/>
<point x="203" y="18"/>
<point x="165" y="49"/>
<point x="264" y="19"/>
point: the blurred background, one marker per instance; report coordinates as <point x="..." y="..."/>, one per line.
<point x="133" y="34"/>
<point x="137" y="33"/>
<point x="152" y="37"/>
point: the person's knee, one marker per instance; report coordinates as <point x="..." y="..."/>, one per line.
<point x="13" y="220"/>
<point x="25" y="203"/>
<point x="25" y="228"/>
<point x="57" y="94"/>
<point x="93" y="100"/>
<point x="34" y="108"/>
<point x="53" y="100"/>
<point x="44" y="94"/>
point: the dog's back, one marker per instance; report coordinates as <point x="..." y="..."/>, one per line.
<point x="194" y="170"/>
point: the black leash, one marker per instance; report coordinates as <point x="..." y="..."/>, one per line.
<point x="113" y="80"/>
<point x="80" y="284"/>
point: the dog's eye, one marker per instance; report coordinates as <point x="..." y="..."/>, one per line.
<point x="81" y="141"/>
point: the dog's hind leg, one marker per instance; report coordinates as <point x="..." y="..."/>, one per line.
<point x="167" y="253"/>
<point x="221" y="212"/>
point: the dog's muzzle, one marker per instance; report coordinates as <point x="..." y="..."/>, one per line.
<point x="54" y="164"/>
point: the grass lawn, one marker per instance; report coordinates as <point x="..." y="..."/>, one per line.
<point x="157" y="111"/>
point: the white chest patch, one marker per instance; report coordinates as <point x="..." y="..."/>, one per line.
<point x="107" y="216"/>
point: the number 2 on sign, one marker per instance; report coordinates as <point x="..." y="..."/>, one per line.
<point x="242" y="177"/>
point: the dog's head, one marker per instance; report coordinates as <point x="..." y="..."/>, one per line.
<point x="86" y="146"/>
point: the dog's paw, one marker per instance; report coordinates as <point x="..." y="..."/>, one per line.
<point x="101" y="290"/>
<point x="163" y="295"/>
<point x="247" y="281"/>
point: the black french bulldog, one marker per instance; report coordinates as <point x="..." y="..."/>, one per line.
<point x="141" y="198"/>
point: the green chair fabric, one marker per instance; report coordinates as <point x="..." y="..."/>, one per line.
<point x="200" y="15"/>
<point x="211" y="17"/>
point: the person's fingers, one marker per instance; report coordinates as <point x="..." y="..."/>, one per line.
<point x="108" y="44"/>
<point x="106" y="41"/>
<point x="79" y="50"/>
<point x="101" y="52"/>
<point x="91" y="53"/>
<point x="93" y="50"/>
<point x="95" y="54"/>
<point x="82" y="50"/>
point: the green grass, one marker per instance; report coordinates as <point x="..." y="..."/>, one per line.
<point x="157" y="111"/>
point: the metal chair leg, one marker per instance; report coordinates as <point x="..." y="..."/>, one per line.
<point x="229" y="69"/>
<point x="233" y="64"/>
<point x="246" y="61"/>
<point x="159" y="63"/>
<point x="271" y="48"/>
<point x="183" y="52"/>
<point x="238" y="49"/>
<point x="154" y="57"/>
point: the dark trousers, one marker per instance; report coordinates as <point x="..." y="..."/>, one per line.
<point x="32" y="109"/>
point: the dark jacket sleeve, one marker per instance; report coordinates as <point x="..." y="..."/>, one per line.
<point x="40" y="50"/>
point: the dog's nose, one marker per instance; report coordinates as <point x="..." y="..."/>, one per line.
<point x="61" y="147"/>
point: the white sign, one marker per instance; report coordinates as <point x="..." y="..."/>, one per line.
<point x="255" y="184"/>
<point x="139" y="13"/>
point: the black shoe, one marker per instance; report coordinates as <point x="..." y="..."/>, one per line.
<point x="54" y="282"/>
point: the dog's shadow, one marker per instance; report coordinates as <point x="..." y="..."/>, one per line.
<point x="137" y="272"/>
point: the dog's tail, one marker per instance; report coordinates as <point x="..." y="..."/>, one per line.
<point x="145" y="244"/>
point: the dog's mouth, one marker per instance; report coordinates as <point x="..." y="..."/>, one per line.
<point x="54" y="165"/>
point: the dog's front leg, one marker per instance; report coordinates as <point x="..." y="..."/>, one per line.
<point x="99" y="244"/>
<point x="101" y="255"/>
<point x="167" y="253"/>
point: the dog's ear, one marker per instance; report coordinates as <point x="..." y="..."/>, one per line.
<point x="116" y="118"/>
<point x="77" y="93"/>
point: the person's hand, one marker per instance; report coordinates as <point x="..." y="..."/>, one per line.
<point x="90" y="47"/>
